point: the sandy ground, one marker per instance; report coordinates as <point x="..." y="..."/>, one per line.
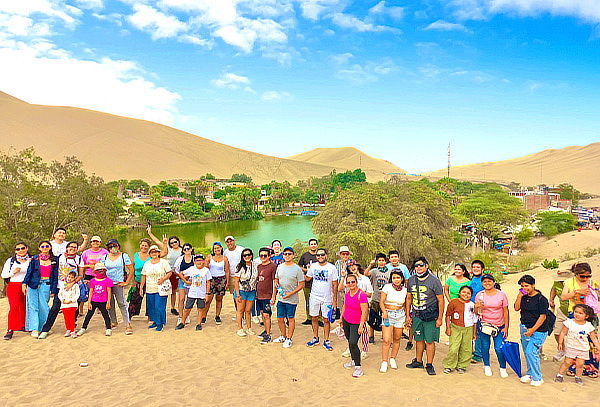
<point x="216" y="367"/>
<point x="572" y="243"/>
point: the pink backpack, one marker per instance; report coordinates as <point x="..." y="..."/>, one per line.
<point x="592" y="300"/>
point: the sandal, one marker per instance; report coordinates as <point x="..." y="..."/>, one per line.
<point x="128" y="330"/>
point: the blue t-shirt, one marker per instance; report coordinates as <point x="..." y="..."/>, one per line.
<point x="400" y="267"/>
<point x="476" y="286"/>
<point x="115" y="269"/>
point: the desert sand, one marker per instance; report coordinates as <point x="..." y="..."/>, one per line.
<point x="216" y="367"/>
<point x="346" y="157"/>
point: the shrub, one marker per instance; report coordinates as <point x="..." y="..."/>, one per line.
<point x="550" y="264"/>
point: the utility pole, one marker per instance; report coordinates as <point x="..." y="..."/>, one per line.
<point x="448" y="160"/>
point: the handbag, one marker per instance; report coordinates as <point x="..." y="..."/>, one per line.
<point x="165" y="288"/>
<point x="427" y="314"/>
<point x="489" y="329"/>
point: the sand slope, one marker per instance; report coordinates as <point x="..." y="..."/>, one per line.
<point x="117" y="147"/>
<point x="346" y="157"/>
<point x="578" y="165"/>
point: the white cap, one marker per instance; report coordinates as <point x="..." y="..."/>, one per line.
<point x="229" y="238"/>
<point x="95" y="238"/>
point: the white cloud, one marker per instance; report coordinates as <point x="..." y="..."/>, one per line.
<point x="233" y="81"/>
<point x="50" y="8"/>
<point x="369" y="72"/>
<point x="19" y="25"/>
<point x="381" y="9"/>
<point x="273" y="95"/>
<point x="196" y="40"/>
<point x="341" y="59"/>
<point x="90" y="4"/>
<point x="151" y="20"/>
<point x="348" y="21"/>
<point x="313" y="9"/>
<point x="441" y="25"/>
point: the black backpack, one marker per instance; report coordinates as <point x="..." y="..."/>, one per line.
<point x="550" y="321"/>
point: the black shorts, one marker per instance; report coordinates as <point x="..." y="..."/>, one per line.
<point x="189" y="303"/>
<point x="264" y="306"/>
<point x="87" y="278"/>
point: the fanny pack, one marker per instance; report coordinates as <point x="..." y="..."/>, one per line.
<point x="489" y="329"/>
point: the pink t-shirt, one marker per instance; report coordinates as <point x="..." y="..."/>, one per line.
<point x="45" y="271"/>
<point x="91" y="257"/>
<point x="99" y="289"/>
<point x="352" y="311"/>
<point x="493" y="307"/>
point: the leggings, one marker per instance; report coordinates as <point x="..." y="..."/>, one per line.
<point x="54" y="310"/>
<point x="102" y="307"/>
<point x="351" y="332"/>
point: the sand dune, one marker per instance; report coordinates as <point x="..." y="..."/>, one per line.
<point x="577" y="165"/>
<point x="115" y="147"/>
<point x="346" y="157"/>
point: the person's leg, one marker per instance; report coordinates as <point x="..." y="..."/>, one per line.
<point x="397" y="336"/>
<point x="420" y="347"/>
<point x="187" y="310"/>
<point x="525" y="340"/>
<point x="174" y="293"/>
<point x="219" y="305"/>
<point x="120" y="299"/>
<point x="239" y="314"/>
<point x="201" y="305"/>
<point x="89" y="315"/>
<point x="112" y="312"/>
<point x="151" y="306"/>
<point x="291" y="314"/>
<point x="353" y="344"/>
<point x="69" y="316"/>
<point x="307" y="302"/>
<point x="579" y="367"/>
<point x="247" y="308"/>
<point x="478" y="347"/>
<point x="532" y="355"/>
<point x="18" y="308"/>
<point x="161" y="310"/>
<point x="387" y="338"/>
<point x="181" y="302"/>
<point x="32" y="309"/>
<point x="430" y="348"/>
<point x="52" y="314"/>
<point x="281" y="314"/>
<point x="485" y="348"/>
<point x="466" y="347"/>
<point x="451" y="361"/>
<point x="498" y="341"/>
<point x="44" y="309"/>
<point x="566" y="364"/>
<point x="313" y="311"/>
<point x="102" y="307"/>
<point x="209" y="298"/>
<point x="266" y="317"/>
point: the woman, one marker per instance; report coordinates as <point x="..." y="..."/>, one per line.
<point x="172" y="251"/>
<point x="154" y="273"/>
<point x="120" y="271"/>
<point x="459" y="279"/>
<point x="246" y="277"/>
<point x="219" y="271"/>
<point x="181" y="265"/>
<point x="40" y="280"/>
<point x="364" y="284"/>
<point x="581" y="289"/>
<point x="92" y="256"/>
<point x="534" y="330"/>
<point x="392" y="304"/>
<point x="354" y="317"/>
<point x="492" y="306"/>
<point x="15" y="269"/>
<point x="139" y="259"/>
<point x="277" y="255"/>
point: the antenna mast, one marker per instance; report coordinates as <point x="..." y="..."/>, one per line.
<point x="449" y="152"/>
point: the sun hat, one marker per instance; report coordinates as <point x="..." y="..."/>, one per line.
<point x="99" y="266"/>
<point x="95" y="239"/>
<point x="344" y="249"/>
<point x="153" y="247"/>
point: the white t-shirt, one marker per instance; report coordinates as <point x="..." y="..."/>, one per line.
<point x="65" y="266"/>
<point x="153" y="272"/>
<point x="58" y="248"/>
<point x="199" y="277"/>
<point x="322" y="281"/>
<point x="234" y="257"/>
<point x="394" y="297"/>
<point x="8" y="271"/>
<point x="577" y="337"/>
<point x="364" y="283"/>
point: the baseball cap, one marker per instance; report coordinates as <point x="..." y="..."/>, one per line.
<point x="488" y="277"/>
<point x="112" y="242"/>
<point x="229" y="238"/>
<point x="95" y="239"/>
<point x="198" y="257"/>
<point x="288" y="249"/>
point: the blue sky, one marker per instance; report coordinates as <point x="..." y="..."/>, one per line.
<point x="397" y="79"/>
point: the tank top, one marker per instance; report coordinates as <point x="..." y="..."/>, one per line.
<point x="172" y="256"/>
<point x="45" y="271"/>
<point x="217" y="268"/>
<point x="185" y="265"/>
<point x="138" y="265"/>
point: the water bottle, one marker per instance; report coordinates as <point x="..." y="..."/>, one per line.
<point x="280" y="291"/>
<point x="386" y="322"/>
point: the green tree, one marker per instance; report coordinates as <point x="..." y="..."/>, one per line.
<point x="551" y="223"/>
<point x="167" y="189"/>
<point x="241" y="178"/>
<point x="192" y="211"/>
<point x="568" y="191"/>
<point x="137" y="185"/>
<point x="349" y="178"/>
<point x="209" y="176"/>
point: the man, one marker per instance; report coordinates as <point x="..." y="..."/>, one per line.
<point x="305" y="261"/>
<point x="323" y="296"/>
<point x="394" y="264"/>
<point x="234" y="255"/>
<point x="380" y="276"/>
<point x="425" y="299"/>
<point x="265" y="291"/>
<point x="289" y="280"/>
<point x="477" y="269"/>
<point x="59" y="242"/>
<point x="563" y="307"/>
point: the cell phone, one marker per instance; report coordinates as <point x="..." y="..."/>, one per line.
<point x="522" y="291"/>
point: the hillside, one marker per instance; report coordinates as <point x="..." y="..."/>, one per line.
<point x="576" y="165"/>
<point x="346" y="157"/>
<point x="116" y="147"/>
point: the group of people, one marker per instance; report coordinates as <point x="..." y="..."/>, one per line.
<point x="386" y="296"/>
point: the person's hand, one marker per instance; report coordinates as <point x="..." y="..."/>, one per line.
<point x="160" y="281"/>
<point x="372" y="263"/>
<point x="529" y="332"/>
<point x="238" y="299"/>
<point x="24" y="289"/>
<point x="408" y="321"/>
<point x="560" y="346"/>
<point x="165" y="239"/>
<point x="122" y="284"/>
<point x="272" y="301"/>
<point x="505" y="332"/>
<point x="361" y="329"/>
<point x="149" y="229"/>
<point x="448" y="331"/>
<point x="438" y="322"/>
<point x="90" y="306"/>
<point x="552" y="307"/>
<point x="107" y="305"/>
<point x="582" y="291"/>
<point x="17" y="270"/>
<point x="384" y="314"/>
<point x="84" y="236"/>
<point x="286" y="296"/>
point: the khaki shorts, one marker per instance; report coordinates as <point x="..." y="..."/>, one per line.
<point x="560" y="318"/>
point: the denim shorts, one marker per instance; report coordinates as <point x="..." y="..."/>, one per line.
<point x="248" y="295"/>
<point x="285" y="310"/>
<point x="397" y="318"/>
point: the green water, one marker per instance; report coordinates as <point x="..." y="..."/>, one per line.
<point x="248" y="233"/>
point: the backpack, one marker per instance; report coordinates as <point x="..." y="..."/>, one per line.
<point x="84" y="292"/>
<point x="550" y="321"/>
<point x="12" y="262"/>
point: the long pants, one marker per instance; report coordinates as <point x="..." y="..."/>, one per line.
<point x="69" y="315"/>
<point x="477" y="351"/>
<point x="485" y="347"/>
<point x="102" y="307"/>
<point x="54" y="311"/>
<point x="461" y="347"/>
<point x="351" y="332"/>
<point x="16" y="303"/>
<point x="118" y="294"/>
<point x="135" y="303"/>
<point x="37" y="307"/>
<point x="157" y="308"/>
<point x="531" y="348"/>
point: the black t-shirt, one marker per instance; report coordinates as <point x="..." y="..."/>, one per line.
<point x="532" y="308"/>
<point x="305" y="260"/>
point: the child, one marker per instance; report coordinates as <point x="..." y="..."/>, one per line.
<point x="198" y="278"/>
<point x="100" y="292"/>
<point x="68" y="296"/>
<point x="460" y="327"/>
<point x="573" y="340"/>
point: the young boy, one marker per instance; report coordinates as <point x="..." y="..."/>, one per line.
<point x="198" y="278"/>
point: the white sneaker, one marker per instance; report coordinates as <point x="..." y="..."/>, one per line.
<point x="256" y="319"/>
<point x="67" y="334"/>
<point x="393" y="364"/>
<point x="249" y="331"/>
<point x="35" y="334"/>
<point x="108" y="332"/>
<point x="357" y="372"/>
<point x="81" y="332"/>
<point x="287" y="343"/>
<point x="487" y="371"/>
<point x="241" y="332"/>
<point x="525" y="379"/>
<point x="279" y="339"/>
<point x="42" y="335"/>
<point x="234" y="318"/>
<point x="363" y="355"/>
<point x="349" y="364"/>
<point x="537" y="382"/>
<point x="384" y="366"/>
<point x="346" y="353"/>
<point x="178" y="321"/>
<point x="503" y="373"/>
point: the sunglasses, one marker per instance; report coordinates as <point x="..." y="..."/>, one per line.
<point x="263" y="256"/>
<point x="351" y="282"/>
<point x="288" y="254"/>
<point x="321" y="255"/>
<point x="20" y="248"/>
<point x="45" y="247"/>
<point x="187" y="248"/>
<point x="173" y="242"/>
<point x="420" y="265"/>
<point x="585" y="276"/>
<point x="247" y="255"/>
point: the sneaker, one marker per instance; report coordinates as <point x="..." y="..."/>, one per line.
<point x="559" y="378"/>
<point x="233" y="318"/>
<point x="415" y="364"/>
<point x="314" y="341"/>
<point x="461" y="370"/>
<point x="404" y="336"/>
<point x="43" y="335"/>
<point x="218" y="320"/>
<point x="307" y="322"/>
<point x="159" y="328"/>
<point x="179" y="326"/>
<point x="279" y="339"/>
<point x="475" y="360"/>
<point x="287" y="343"/>
<point x="349" y="364"/>
<point x="199" y="327"/>
<point x="503" y="373"/>
<point x="265" y="339"/>
<point x="35" y="334"/>
<point x="67" y="334"/>
<point x="537" y="382"/>
<point x="578" y="380"/>
<point x="383" y="367"/>
<point x="73" y="334"/>
<point x="241" y="332"/>
<point x="187" y="320"/>
<point x="371" y="339"/>
<point x="327" y="345"/>
<point x="346" y="353"/>
<point x="153" y="325"/>
<point x="487" y="371"/>
<point x="358" y="372"/>
<point x="363" y="355"/>
<point x="256" y="319"/>
<point x="525" y="379"/>
<point x="204" y="320"/>
<point x="249" y="331"/>
<point x="174" y="312"/>
<point x="321" y="324"/>
<point x="393" y="364"/>
<point x="447" y="370"/>
<point x="129" y="330"/>
<point x="179" y="321"/>
<point x="9" y="335"/>
<point x="108" y="332"/>
<point x="81" y="332"/>
<point x="263" y="333"/>
<point x="409" y="346"/>
<point x="430" y="369"/>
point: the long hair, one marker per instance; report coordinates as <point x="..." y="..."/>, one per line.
<point x="242" y="264"/>
<point x="52" y="256"/>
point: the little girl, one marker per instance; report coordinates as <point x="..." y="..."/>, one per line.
<point x="68" y="295"/>
<point x="100" y="291"/>
<point x="573" y="340"/>
<point x="460" y="327"/>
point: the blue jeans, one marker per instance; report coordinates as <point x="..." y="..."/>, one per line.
<point x="477" y="351"/>
<point x="157" y="308"/>
<point x="531" y="348"/>
<point x="485" y="347"/>
<point x="37" y="307"/>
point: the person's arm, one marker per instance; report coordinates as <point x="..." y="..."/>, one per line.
<point x="342" y="284"/>
<point x="299" y="288"/>
<point x="561" y="338"/>
<point x="236" y="289"/>
<point x="187" y="280"/>
<point x="84" y="244"/>
<point x="552" y="297"/>
<point x="227" y="269"/>
<point x="27" y="277"/>
<point x="130" y="274"/>
<point x="164" y="247"/>
<point x="364" y="308"/>
<point x="594" y="338"/>
<point x="369" y="267"/>
<point x="440" y="318"/>
<point x="207" y="285"/>
<point x="142" y="285"/>
<point x="535" y="327"/>
<point x="382" y="297"/>
<point x="274" y="295"/>
<point x="448" y="322"/>
<point x="154" y="238"/>
<point x="569" y="295"/>
<point x="518" y="301"/>
<point x="447" y="292"/>
<point x="334" y="286"/>
<point x="109" y="291"/>
<point x="506" y="321"/>
<point x="408" y="305"/>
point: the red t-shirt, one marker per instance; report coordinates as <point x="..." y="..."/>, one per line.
<point x="264" y="284"/>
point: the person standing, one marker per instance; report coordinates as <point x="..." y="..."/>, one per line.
<point x="563" y="307"/>
<point x="354" y="321"/>
<point x="233" y="252"/>
<point x="246" y="276"/>
<point x="92" y="256"/>
<point x="342" y="265"/>
<point x="364" y="284"/>
<point x="181" y="264"/>
<point x="289" y="280"/>
<point x="139" y="259"/>
<point x="219" y="267"/>
<point x="120" y="270"/>
<point x="100" y="288"/>
<point x="15" y="269"/>
<point x="460" y="328"/>
<point x="379" y="274"/>
<point x="155" y="272"/>
<point x="393" y="311"/>
<point x="173" y="252"/>
<point x="59" y="242"/>
<point x="581" y="289"/>
<point x="276" y="255"/>
<point x="425" y="300"/>
<point x="265" y="291"/>
<point x="477" y="269"/>
<point x="534" y="328"/>
<point x="69" y="295"/>
<point x="306" y="259"/>
<point x="323" y="296"/>
<point x="198" y="279"/>
<point x="459" y="279"/>
<point x="394" y="264"/>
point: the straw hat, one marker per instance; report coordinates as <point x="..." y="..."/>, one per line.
<point x="344" y="249"/>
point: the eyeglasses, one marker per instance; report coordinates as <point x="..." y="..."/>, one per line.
<point x="420" y="265"/>
<point x="263" y="256"/>
<point x="321" y="255"/>
<point x="351" y="282"/>
<point x="45" y="247"/>
<point x="20" y="248"/>
<point x="585" y="276"/>
<point x="187" y="248"/>
<point x="288" y="254"/>
<point x="247" y="255"/>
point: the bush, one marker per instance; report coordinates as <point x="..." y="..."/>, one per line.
<point x="524" y="235"/>
<point x="550" y="264"/>
<point x="553" y="223"/>
<point x="525" y="262"/>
